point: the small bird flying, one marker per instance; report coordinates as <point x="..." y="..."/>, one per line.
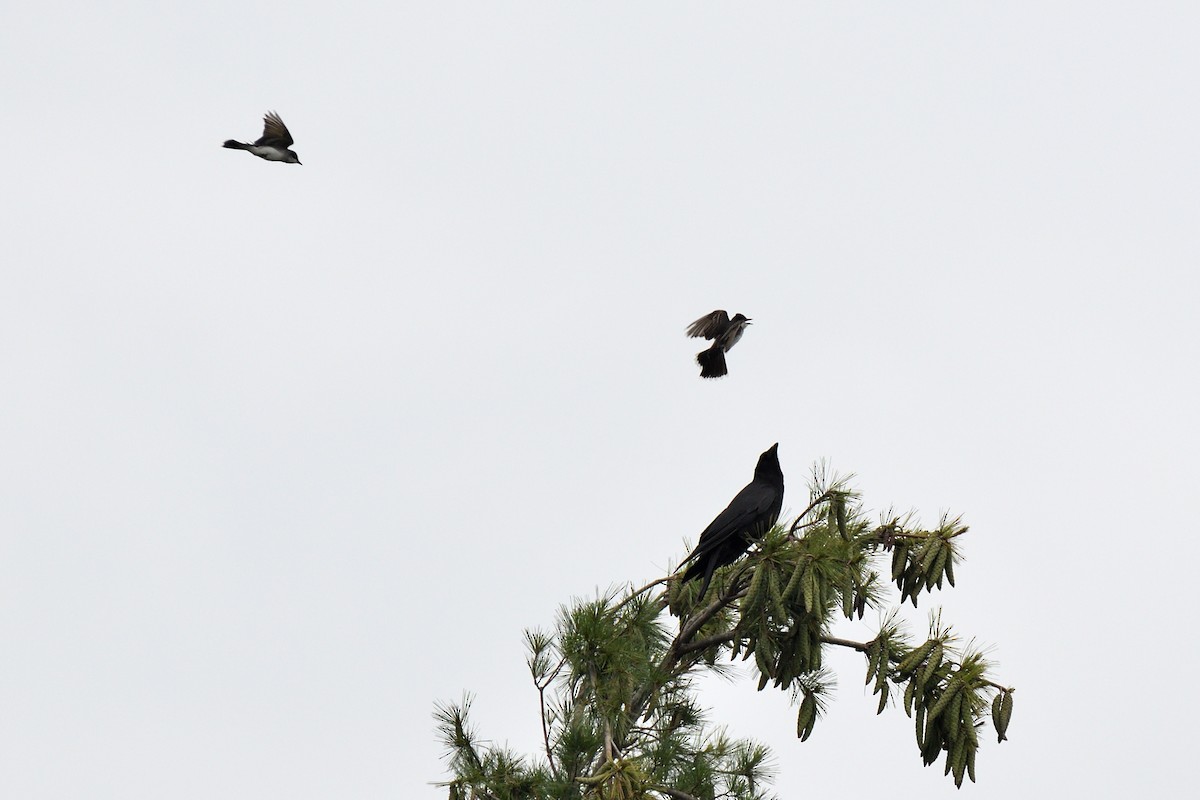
<point x="273" y="144"/>
<point x="747" y="519"/>
<point x="724" y="332"/>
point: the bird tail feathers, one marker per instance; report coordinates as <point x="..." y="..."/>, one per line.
<point x="708" y="574"/>
<point x="232" y="145"/>
<point x="712" y="362"/>
<point x="701" y="567"/>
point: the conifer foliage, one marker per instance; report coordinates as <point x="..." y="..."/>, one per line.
<point x="615" y="678"/>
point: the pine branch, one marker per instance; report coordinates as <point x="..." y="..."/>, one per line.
<point x="708" y="641"/>
<point x="670" y="660"/>
<point x="674" y="794"/>
<point x="637" y="592"/>
<point x="545" y="725"/>
<point x="862" y="647"/>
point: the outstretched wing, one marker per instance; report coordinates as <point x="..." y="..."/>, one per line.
<point x="709" y="326"/>
<point x="275" y="133"/>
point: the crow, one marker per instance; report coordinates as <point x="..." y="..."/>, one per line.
<point x="724" y="332"/>
<point x="746" y="520"/>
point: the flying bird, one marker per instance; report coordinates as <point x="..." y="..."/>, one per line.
<point x="724" y="332"/>
<point x="273" y="144"/>
<point x="746" y="520"/>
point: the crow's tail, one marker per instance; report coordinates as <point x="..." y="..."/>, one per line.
<point x="705" y="566"/>
<point x="708" y="573"/>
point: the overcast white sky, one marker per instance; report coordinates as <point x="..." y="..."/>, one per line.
<point x="289" y="453"/>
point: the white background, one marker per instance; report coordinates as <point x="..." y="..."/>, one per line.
<point x="289" y="453"/>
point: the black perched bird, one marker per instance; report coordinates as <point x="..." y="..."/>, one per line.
<point x="746" y="520"/>
<point x="724" y="332"/>
<point x="273" y="144"/>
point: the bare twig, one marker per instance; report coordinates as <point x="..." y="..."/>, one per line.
<point x="637" y="592"/>
<point x="553" y="674"/>
<point x="823" y="498"/>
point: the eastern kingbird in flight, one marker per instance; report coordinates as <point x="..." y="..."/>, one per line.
<point x="747" y="519"/>
<point x="273" y="144"/>
<point x="724" y="332"/>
